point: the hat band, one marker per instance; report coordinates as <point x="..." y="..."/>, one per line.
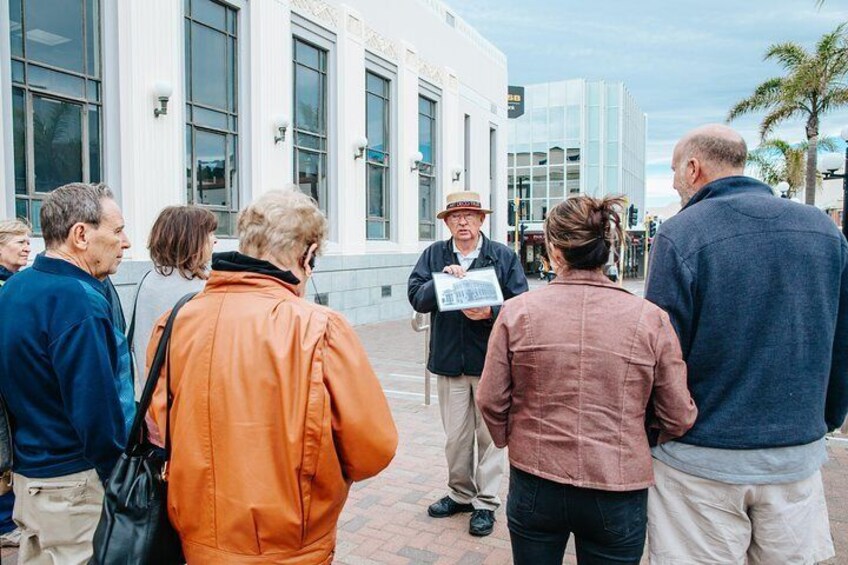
<point x="464" y="204"/>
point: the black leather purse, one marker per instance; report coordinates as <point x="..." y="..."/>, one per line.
<point x="134" y="527"/>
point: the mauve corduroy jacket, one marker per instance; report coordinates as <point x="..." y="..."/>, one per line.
<point x="569" y="374"/>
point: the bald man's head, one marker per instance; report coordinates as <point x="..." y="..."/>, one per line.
<point x="706" y="154"/>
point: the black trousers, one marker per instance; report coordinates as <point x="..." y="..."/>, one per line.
<point x="608" y="527"/>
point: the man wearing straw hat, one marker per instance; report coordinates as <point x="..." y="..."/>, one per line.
<point x="458" y="345"/>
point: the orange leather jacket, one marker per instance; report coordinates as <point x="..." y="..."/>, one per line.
<point x="276" y="411"/>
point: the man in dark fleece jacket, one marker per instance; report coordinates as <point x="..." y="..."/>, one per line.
<point x="757" y="289"/>
<point x="64" y="373"/>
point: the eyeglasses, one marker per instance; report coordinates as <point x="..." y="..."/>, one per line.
<point x="457" y="217"/>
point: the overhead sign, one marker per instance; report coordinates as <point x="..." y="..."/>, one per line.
<point x="515" y="101"/>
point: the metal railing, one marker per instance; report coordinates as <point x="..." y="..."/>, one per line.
<point x="421" y="323"/>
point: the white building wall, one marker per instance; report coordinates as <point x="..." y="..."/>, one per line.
<point x="144" y="156"/>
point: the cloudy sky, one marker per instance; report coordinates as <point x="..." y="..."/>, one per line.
<point x="686" y="63"/>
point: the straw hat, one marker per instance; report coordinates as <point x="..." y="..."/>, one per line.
<point x="464" y="200"/>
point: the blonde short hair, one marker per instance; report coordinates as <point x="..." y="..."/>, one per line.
<point x="282" y="224"/>
<point x="10" y="229"/>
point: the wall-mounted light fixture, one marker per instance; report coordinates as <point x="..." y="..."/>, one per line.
<point x="456" y="173"/>
<point x="281" y="124"/>
<point x="163" y="91"/>
<point x="359" y="147"/>
<point x="416" y="161"/>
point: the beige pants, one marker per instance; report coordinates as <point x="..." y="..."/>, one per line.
<point x="473" y="478"/>
<point x="57" y="517"/>
<point x="693" y="521"/>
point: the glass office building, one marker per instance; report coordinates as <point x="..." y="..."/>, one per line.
<point x="576" y="137"/>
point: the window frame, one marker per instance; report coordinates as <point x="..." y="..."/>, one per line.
<point x="429" y="170"/>
<point x="386" y="71"/>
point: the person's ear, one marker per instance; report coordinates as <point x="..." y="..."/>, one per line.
<point x="79" y="236"/>
<point x="694" y="170"/>
<point x="309" y="259"/>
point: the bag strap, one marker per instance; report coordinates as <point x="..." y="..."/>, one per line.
<point x="159" y="359"/>
<point x="131" y="329"/>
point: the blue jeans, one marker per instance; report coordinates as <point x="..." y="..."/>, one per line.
<point x="608" y="527"/>
<point x="7" y="502"/>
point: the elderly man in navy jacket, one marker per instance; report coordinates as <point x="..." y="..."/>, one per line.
<point x="757" y="288"/>
<point x="64" y="373"/>
<point x="458" y="344"/>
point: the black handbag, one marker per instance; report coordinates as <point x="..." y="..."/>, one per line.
<point x="134" y="527"/>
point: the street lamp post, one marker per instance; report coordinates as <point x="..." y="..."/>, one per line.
<point x="828" y="166"/>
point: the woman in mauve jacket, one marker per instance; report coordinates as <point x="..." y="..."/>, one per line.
<point x="276" y="409"/>
<point x="572" y="371"/>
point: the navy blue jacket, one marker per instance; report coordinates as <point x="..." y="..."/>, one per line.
<point x="59" y="371"/>
<point x="757" y="288"/>
<point x="457" y="343"/>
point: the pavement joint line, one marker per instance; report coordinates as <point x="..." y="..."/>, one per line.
<point x="402" y="376"/>
<point x="402" y="393"/>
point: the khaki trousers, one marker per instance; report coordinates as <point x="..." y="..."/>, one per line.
<point x="57" y="517"/>
<point x="473" y="478"/>
<point x="696" y="521"/>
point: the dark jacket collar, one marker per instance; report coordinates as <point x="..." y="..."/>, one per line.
<point x="235" y="262"/>
<point x="64" y="268"/>
<point x="5" y="273"/>
<point x="724" y="186"/>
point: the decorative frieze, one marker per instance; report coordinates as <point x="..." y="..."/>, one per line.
<point x="318" y="10"/>
<point x="380" y="45"/>
<point x="354" y="25"/>
<point x="431" y="73"/>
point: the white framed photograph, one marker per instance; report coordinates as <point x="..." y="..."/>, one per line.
<point x="479" y="288"/>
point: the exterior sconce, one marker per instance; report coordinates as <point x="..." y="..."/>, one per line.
<point x="163" y="91"/>
<point x="281" y="124"/>
<point x="359" y="147"/>
<point x="416" y="161"/>
<point x="456" y="173"/>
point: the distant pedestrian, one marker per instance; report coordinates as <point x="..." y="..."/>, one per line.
<point x="612" y="272"/>
<point x="571" y="372"/>
<point x="767" y="354"/>
<point x="64" y="374"/>
<point x="458" y="344"/>
<point x="276" y="409"/>
<point x="180" y="246"/>
<point x="14" y="254"/>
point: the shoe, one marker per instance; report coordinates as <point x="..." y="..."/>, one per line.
<point x="447" y="507"/>
<point x="482" y="523"/>
<point x="11" y="539"/>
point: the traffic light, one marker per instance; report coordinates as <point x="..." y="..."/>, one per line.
<point x="652" y="228"/>
<point x="632" y="215"/>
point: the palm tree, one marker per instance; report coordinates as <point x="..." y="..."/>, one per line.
<point x="776" y="161"/>
<point x="814" y="85"/>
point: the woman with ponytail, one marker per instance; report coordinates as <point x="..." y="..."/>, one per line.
<point x="573" y="371"/>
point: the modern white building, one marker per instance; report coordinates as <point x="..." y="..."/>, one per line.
<point x="213" y="102"/>
<point x="576" y="137"/>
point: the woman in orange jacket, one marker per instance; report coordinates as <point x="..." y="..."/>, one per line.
<point x="276" y="409"/>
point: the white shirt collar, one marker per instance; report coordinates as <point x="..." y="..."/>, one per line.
<point x="473" y="254"/>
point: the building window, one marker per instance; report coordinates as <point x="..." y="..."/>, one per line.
<point x="466" y="153"/>
<point x="378" y="171"/>
<point x="212" y="110"/>
<point x="427" y="169"/>
<point x="56" y="98"/>
<point x="310" y="121"/>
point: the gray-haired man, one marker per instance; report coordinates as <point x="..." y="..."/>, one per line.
<point x="64" y="374"/>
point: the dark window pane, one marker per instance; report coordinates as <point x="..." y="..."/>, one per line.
<point x="57" y="139"/>
<point x="15" y="28"/>
<point x="425" y="199"/>
<point x="233" y="123"/>
<point x="55" y="81"/>
<point x="94" y="171"/>
<point x="211" y="175"/>
<point x="376" y="188"/>
<point x="307" y="141"/>
<point x="35" y="211"/>
<point x="232" y="163"/>
<point x="18" y="72"/>
<point x="232" y="21"/>
<point x="92" y="30"/>
<point x="376" y="123"/>
<point x="189" y="162"/>
<point x="188" y="65"/>
<point x="312" y="176"/>
<point x="19" y="139"/>
<point x="425" y="138"/>
<point x="232" y="87"/>
<point x="93" y="91"/>
<point x="377" y="157"/>
<point x="225" y="221"/>
<point x="21" y="209"/>
<point x="308" y="100"/>
<point x="376" y="229"/>
<point x="426" y="107"/>
<point x="376" y="85"/>
<point x="210" y="13"/>
<point x="308" y="55"/>
<point x="426" y="231"/>
<point x="210" y="118"/>
<point x="208" y="67"/>
<point x="55" y="33"/>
